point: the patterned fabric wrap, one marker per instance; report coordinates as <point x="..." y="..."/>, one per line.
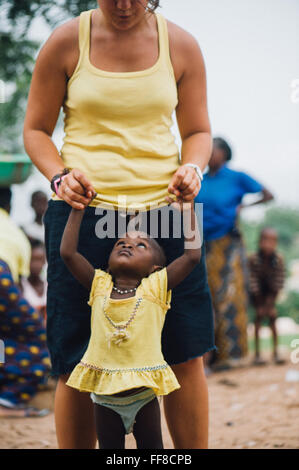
<point x="226" y="267"/>
<point x="27" y="362"/>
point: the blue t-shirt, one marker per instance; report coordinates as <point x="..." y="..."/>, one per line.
<point x="221" y="194"/>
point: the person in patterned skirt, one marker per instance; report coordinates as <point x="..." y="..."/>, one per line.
<point x="26" y="358"/>
<point x="222" y="195"/>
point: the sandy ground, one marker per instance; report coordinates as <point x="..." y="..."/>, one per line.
<point x="250" y="407"/>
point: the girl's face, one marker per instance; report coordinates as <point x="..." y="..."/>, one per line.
<point x="132" y="254"/>
<point x="123" y="14"/>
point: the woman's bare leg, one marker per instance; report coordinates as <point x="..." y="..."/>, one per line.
<point x="187" y="409"/>
<point x="74" y="418"/>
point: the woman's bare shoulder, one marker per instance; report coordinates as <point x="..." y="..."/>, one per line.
<point x="62" y="46"/>
<point x="181" y="39"/>
<point x="184" y="47"/>
<point x="65" y="33"/>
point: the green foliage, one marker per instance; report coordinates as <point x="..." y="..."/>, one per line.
<point x="286" y="221"/>
<point x="290" y="306"/>
<point x="53" y="11"/>
<point x="16" y="63"/>
<point x="266" y="344"/>
<point x="17" y="55"/>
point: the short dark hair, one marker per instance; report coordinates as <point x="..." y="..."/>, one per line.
<point x="223" y="145"/>
<point x="5" y="197"/>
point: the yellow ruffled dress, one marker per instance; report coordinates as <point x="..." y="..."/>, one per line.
<point x="111" y="366"/>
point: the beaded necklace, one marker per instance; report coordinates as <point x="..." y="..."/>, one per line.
<point x="124" y="291"/>
<point x="120" y="334"/>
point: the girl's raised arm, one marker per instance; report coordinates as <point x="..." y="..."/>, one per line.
<point x="78" y="265"/>
<point x="182" y="266"/>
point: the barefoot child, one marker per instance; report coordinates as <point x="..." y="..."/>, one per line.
<point x="266" y="268"/>
<point x="123" y="367"/>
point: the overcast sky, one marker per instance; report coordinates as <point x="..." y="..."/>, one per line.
<point x="251" y="51"/>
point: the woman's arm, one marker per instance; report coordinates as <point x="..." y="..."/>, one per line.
<point x="266" y="196"/>
<point x="81" y="269"/>
<point x="182" y="266"/>
<point x="193" y="120"/>
<point x="46" y="96"/>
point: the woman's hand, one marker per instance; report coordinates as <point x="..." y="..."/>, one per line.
<point x="76" y="190"/>
<point x="184" y="184"/>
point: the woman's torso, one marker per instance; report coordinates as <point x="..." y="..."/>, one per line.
<point x="105" y="60"/>
<point x="122" y="140"/>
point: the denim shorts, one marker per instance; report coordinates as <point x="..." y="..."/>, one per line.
<point x="188" y="329"/>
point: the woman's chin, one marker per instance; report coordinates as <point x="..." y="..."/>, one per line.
<point x="123" y="24"/>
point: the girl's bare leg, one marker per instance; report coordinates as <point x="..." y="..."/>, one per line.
<point x="187" y="409"/>
<point x="74" y="417"/>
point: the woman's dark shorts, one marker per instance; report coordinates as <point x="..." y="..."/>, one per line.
<point x="188" y="330"/>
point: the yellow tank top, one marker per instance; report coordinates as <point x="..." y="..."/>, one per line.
<point x="109" y="366"/>
<point x="118" y="127"/>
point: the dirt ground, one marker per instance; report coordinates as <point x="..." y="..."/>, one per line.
<point x="250" y="408"/>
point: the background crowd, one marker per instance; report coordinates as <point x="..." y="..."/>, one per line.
<point x="237" y="281"/>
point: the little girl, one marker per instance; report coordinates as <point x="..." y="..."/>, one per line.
<point x="123" y="367"/>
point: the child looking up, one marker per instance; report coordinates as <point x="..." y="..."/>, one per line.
<point x="123" y="367"/>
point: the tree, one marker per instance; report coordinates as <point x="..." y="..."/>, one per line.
<point x="16" y="62"/>
<point x="289" y="307"/>
<point x="17" y="54"/>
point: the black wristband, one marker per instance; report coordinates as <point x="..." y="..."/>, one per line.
<point x="65" y="171"/>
